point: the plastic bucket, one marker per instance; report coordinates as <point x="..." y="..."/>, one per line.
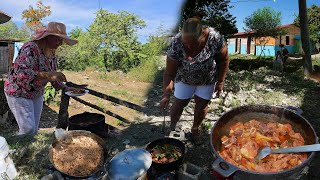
<point x="7" y="169"/>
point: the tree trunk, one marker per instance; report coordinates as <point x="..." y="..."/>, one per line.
<point x="304" y="27"/>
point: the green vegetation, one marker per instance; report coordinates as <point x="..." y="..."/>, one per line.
<point x="110" y="43"/>
<point x="10" y="30"/>
<point x="30" y="154"/>
<point x="314" y="22"/>
<point x="49" y="94"/>
<point x="214" y="13"/>
<point x="263" y="23"/>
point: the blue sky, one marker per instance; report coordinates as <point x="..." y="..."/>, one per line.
<point x="155" y="12"/>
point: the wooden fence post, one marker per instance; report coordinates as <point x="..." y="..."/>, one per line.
<point x="63" y="116"/>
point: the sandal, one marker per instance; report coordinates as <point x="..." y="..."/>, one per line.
<point x="195" y="137"/>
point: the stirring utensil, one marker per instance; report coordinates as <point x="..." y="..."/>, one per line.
<point x="164" y="120"/>
<point x="267" y="150"/>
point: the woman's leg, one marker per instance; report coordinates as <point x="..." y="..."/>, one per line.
<point x="203" y="95"/>
<point x="176" y="111"/>
<point x="182" y="95"/>
<point x="38" y="105"/>
<point x="23" y="112"/>
<point x="200" y="112"/>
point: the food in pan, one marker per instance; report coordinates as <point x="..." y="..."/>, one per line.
<point x="77" y="155"/>
<point x="78" y="91"/>
<point x="165" y="153"/>
<point x="245" y="140"/>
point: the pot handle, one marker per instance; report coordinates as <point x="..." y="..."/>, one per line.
<point x="294" y="109"/>
<point x="224" y="169"/>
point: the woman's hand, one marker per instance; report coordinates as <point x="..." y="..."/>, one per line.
<point x="56" y="76"/>
<point x="164" y="102"/>
<point x="219" y="88"/>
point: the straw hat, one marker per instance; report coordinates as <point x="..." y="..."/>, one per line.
<point x="4" y="17"/>
<point x="56" y="29"/>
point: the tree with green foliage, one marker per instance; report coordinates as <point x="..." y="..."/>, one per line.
<point x="263" y="23"/>
<point x="117" y="39"/>
<point x="313" y="21"/>
<point x="34" y="16"/>
<point x="75" y="33"/>
<point x="157" y="43"/>
<point x="113" y="37"/>
<point x="10" y="30"/>
<point x="215" y="13"/>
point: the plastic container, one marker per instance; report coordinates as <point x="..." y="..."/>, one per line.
<point x="7" y="169"/>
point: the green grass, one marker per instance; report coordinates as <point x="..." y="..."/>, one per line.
<point x="206" y="126"/>
<point x="101" y="104"/>
<point x="316" y="61"/>
<point x="114" y="77"/>
<point x="30" y="154"/>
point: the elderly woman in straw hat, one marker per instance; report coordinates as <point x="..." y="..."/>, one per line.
<point x="197" y="63"/>
<point x="34" y="67"/>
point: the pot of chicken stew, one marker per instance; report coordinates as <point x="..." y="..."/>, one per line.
<point x="240" y="133"/>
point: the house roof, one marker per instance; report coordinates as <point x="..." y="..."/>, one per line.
<point x="4" y="17"/>
<point x="248" y="33"/>
<point x="10" y="40"/>
<point x="243" y="33"/>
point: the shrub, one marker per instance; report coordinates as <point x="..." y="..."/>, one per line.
<point x="49" y="94"/>
<point x="148" y="71"/>
<point x="249" y="64"/>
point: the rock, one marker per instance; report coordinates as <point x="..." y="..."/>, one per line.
<point x="48" y="177"/>
<point x="127" y="141"/>
<point x="269" y="90"/>
<point x="228" y="100"/>
<point x="115" y="151"/>
<point x="216" y="101"/>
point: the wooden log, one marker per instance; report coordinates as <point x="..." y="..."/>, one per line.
<point x="101" y="110"/>
<point x="109" y="98"/>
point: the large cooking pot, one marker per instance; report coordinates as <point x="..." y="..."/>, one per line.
<point x="169" y="166"/>
<point x="87" y="121"/>
<point x="100" y="170"/>
<point x="261" y="113"/>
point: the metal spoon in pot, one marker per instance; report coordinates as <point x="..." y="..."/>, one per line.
<point x="267" y="150"/>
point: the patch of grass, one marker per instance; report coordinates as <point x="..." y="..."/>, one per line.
<point x="235" y="102"/>
<point x="119" y="123"/>
<point x="31" y="154"/>
<point x="113" y="77"/>
<point x="100" y="104"/>
<point x="274" y="98"/>
<point x="316" y="61"/>
<point x="120" y="92"/>
<point x="206" y="126"/>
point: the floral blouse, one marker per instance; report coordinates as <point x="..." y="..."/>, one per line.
<point x="21" y="79"/>
<point x="202" y="69"/>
